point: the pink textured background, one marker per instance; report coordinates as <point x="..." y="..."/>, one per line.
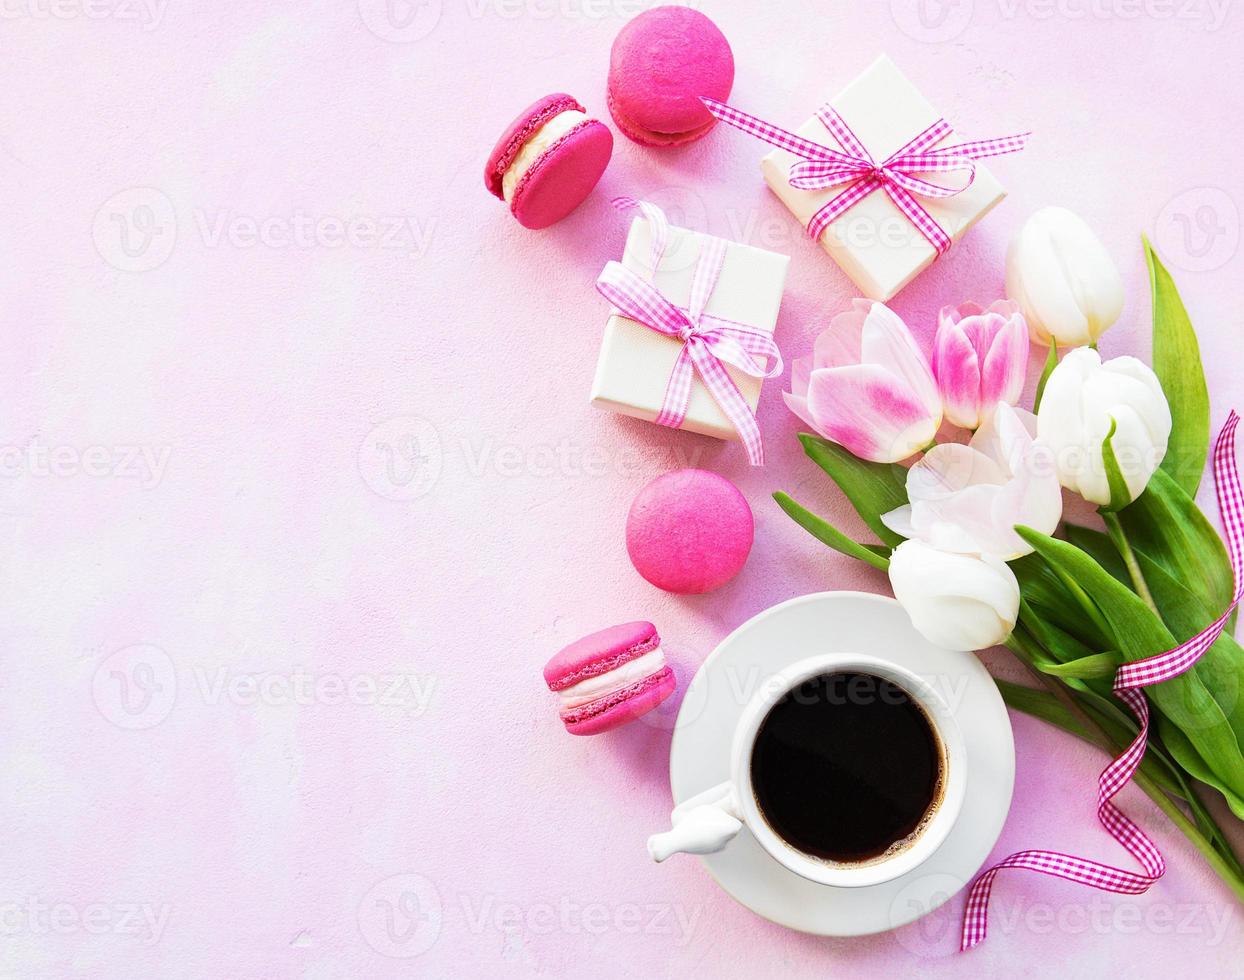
<point x="250" y="243"/>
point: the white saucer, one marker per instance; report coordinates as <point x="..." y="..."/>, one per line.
<point x="843" y="622"/>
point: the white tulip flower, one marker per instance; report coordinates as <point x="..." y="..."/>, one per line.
<point x="1064" y="281"/>
<point x="1083" y="398"/>
<point x="959" y="602"/>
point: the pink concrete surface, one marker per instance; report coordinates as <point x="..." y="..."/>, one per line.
<point x="301" y="487"/>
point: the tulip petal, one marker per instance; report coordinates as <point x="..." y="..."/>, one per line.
<point x="898" y="520"/>
<point x="1005" y="364"/>
<point x="949" y="468"/>
<point x="886" y="341"/>
<point x="957" y="369"/>
<point x="799" y="406"/>
<point x="800" y="375"/>
<point x="839" y="345"/>
<point x="968" y="499"/>
<point x="869" y="411"/>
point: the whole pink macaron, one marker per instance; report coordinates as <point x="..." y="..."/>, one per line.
<point x="548" y="160"/>
<point x="662" y="62"/>
<point x="610" y="677"/>
<point x="689" y="531"/>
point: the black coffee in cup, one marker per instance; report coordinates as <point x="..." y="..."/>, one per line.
<point x="848" y="768"/>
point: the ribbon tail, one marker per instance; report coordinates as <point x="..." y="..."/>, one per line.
<point x="677" y="391"/>
<point x="773" y="135"/>
<point x="921" y="218"/>
<point x="1129" y="681"/>
<point x="727" y="395"/>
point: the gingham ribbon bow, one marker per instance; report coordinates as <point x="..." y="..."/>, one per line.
<point x="709" y="342"/>
<point x="1128" y="681"/>
<point x="820" y="167"/>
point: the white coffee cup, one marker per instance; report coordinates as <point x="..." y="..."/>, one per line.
<point x="708" y="821"/>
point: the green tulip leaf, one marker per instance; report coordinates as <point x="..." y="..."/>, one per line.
<point x="1120" y="496"/>
<point x="1185" y="614"/>
<point x="1092" y="667"/>
<point x="1166" y="524"/>
<point x="1100" y="548"/>
<point x="1183" y="752"/>
<point x="826" y="533"/>
<point x="873" y="488"/>
<point x="1138" y="633"/>
<point x="1052" y="603"/>
<point x="1177" y="363"/>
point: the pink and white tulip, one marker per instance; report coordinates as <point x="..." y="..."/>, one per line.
<point x="968" y="499"/>
<point x="980" y="359"/>
<point x="867" y="386"/>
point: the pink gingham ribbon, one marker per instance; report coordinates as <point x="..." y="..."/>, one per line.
<point x="709" y="342"/>
<point x="1128" y="681"/>
<point x="820" y="167"/>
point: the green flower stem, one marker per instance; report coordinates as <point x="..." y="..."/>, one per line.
<point x="1115" y="529"/>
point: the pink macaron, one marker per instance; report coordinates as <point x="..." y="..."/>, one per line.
<point x="662" y="62"/>
<point x="689" y="531"/>
<point x="548" y="160"/>
<point x="609" y="678"/>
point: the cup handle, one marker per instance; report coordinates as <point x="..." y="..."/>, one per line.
<point x="703" y="824"/>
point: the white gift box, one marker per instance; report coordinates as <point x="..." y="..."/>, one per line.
<point x="874" y="242"/>
<point x="636" y="361"/>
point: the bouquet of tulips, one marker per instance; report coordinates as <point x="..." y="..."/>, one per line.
<point x="973" y="535"/>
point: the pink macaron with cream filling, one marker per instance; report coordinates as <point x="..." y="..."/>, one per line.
<point x="610" y="677"/>
<point x="548" y="160"/>
<point x="661" y="63"/>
